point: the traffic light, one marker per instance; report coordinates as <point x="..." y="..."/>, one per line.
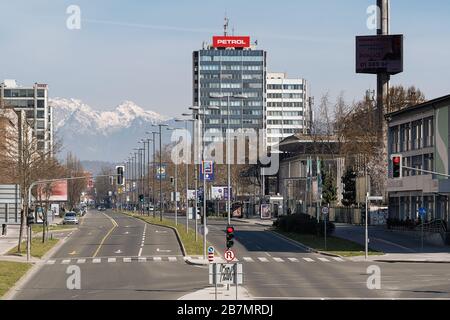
<point x="396" y="166"/>
<point x="230" y="237"/>
<point x="172" y="181"/>
<point x="120" y="178"/>
<point x="141" y="198"/>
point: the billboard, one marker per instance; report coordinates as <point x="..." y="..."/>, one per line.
<point x="231" y="42"/>
<point x="58" y="191"/>
<point x="220" y="193"/>
<point x="379" y="54"/>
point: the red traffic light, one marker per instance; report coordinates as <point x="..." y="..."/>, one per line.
<point x="396" y="160"/>
<point x="230" y="229"/>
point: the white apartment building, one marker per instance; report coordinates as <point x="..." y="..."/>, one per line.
<point x="287" y="111"/>
<point x="33" y="100"/>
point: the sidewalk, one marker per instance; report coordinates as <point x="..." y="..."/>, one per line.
<point x="12" y="236"/>
<point x="397" y="246"/>
<point x="11" y="239"/>
<point x="222" y="294"/>
<point x="255" y="221"/>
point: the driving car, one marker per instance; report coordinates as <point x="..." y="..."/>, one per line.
<point x="70" y="218"/>
<point x="101" y="208"/>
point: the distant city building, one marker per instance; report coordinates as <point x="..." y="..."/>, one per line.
<point x="288" y="110"/>
<point x="230" y="66"/>
<point x="34" y="101"/>
<point x="421" y="135"/>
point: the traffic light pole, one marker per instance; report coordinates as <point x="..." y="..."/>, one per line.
<point x="427" y="171"/>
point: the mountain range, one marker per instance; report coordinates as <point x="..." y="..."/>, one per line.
<point x="107" y="136"/>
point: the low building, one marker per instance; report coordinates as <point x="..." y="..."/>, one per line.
<point x="421" y="135"/>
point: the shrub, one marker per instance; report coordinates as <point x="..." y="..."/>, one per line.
<point x="302" y="223"/>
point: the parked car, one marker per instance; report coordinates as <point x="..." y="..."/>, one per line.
<point x="101" y="208"/>
<point x="70" y="218"/>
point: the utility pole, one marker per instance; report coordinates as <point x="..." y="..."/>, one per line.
<point x="383" y="79"/>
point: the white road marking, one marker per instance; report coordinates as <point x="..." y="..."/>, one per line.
<point x="308" y="259"/>
<point x="126" y="259"/>
<point x="160" y="250"/>
<point x="157" y="259"/>
<point x="96" y="260"/>
<point x="80" y="261"/>
<point x="111" y="259"/>
<point x="338" y="259"/>
<point x="278" y="259"/>
<point x="324" y="259"/>
<point x="248" y="259"/>
<point x="293" y="259"/>
<point x="142" y="259"/>
<point x="51" y="262"/>
<point x="65" y="261"/>
<point x="172" y="258"/>
<point x="262" y="259"/>
<point x="118" y="251"/>
<point x="140" y="252"/>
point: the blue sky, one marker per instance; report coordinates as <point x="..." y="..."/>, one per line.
<point x="141" y="50"/>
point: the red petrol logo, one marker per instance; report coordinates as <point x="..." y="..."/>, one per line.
<point x="231" y="42"/>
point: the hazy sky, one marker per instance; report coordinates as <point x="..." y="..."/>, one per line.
<point x="141" y="50"/>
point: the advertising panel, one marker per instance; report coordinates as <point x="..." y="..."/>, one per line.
<point x="57" y="190"/>
<point x="379" y="54"/>
<point x="231" y="41"/>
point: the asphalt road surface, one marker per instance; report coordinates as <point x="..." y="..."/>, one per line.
<point x="124" y="258"/>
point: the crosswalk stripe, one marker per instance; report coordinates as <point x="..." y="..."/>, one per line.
<point x="308" y="259"/>
<point x="293" y="259"/>
<point x="111" y="259"/>
<point x="278" y="259"/>
<point x="338" y="259"/>
<point x="51" y="262"/>
<point x="172" y="258"/>
<point x="324" y="259"/>
<point x="96" y="260"/>
<point x="157" y="259"/>
<point x="65" y="262"/>
<point x="80" y="261"/>
<point x="126" y="259"/>
<point x="248" y="259"/>
<point x="142" y="259"/>
<point x="262" y="259"/>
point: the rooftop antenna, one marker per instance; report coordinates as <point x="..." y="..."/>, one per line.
<point x="225" y="25"/>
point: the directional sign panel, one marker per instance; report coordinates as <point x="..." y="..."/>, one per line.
<point x="225" y="273"/>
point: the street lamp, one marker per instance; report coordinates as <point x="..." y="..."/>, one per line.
<point x="153" y="171"/>
<point x="187" y="165"/>
<point x="236" y="96"/>
<point x="160" y="166"/>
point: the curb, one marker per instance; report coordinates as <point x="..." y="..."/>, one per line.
<point x="309" y="249"/>
<point x="183" y="250"/>
<point x="411" y="261"/>
<point x="196" y="262"/>
<point x="36" y="266"/>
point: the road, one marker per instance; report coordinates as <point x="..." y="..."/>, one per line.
<point x="275" y="268"/>
<point x="119" y="258"/>
<point x="123" y="258"/>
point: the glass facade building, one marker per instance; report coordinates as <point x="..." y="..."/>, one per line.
<point x="34" y="102"/>
<point x="220" y="72"/>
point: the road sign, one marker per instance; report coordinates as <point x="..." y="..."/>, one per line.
<point x="422" y="212"/>
<point x="210" y="254"/>
<point x="229" y="255"/>
<point x="325" y="210"/>
<point x="225" y="273"/>
<point x="207" y="171"/>
<point x="161" y="172"/>
<point x="374" y="198"/>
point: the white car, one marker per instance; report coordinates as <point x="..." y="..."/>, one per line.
<point x="70" y="218"/>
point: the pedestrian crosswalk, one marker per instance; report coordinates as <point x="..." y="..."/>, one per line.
<point x="112" y="260"/>
<point x="292" y="259"/>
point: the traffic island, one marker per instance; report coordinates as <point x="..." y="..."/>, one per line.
<point x="38" y="248"/>
<point x="335" y="246"/>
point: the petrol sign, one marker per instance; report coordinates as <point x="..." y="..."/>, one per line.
<point x="231" y="42"/>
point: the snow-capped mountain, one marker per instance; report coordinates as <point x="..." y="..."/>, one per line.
<point x="101" y="135"/>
